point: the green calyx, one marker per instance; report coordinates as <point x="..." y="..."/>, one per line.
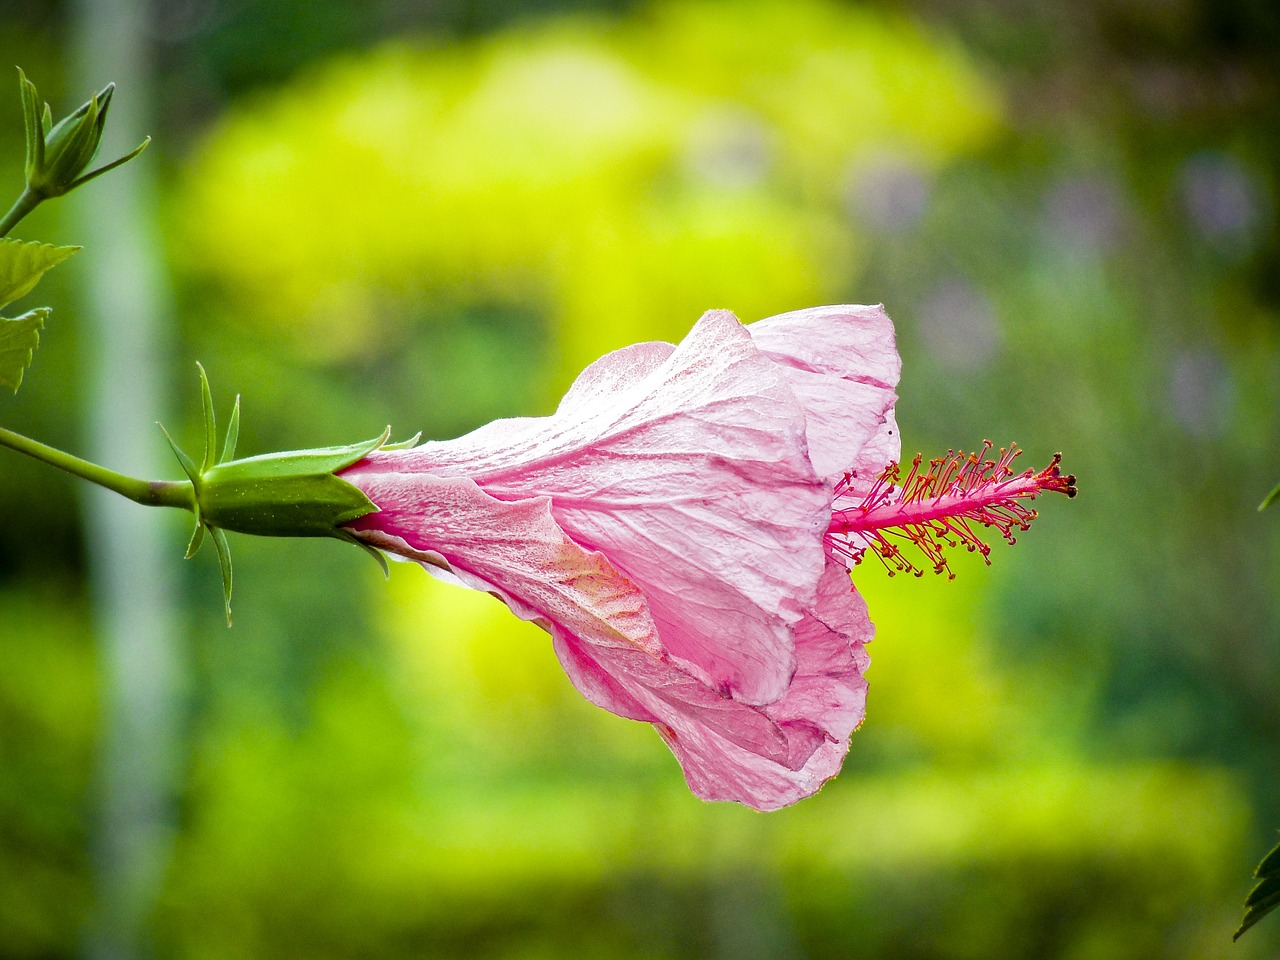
<point x="289" y="494"/>
<point x="59" y="154"/>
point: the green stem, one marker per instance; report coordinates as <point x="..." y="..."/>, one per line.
<point x="27" y="202"/>
<point x="151" y="493"/>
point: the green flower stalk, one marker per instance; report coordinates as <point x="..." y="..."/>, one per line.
<point x="294" y="493"/>
<point x="289" y="494"/>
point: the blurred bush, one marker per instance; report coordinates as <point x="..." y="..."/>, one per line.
<point x="1065" y="756"/>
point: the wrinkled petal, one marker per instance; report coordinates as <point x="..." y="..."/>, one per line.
<point x="851" y="341"/>
<point x="763" y="757"/>
<point x="824" y="705"/>
<point x="689" y="467"/>
<point x="619" y="370"/>
<point x="666" y="525"/>
<point x="843" y="365"/>
<point x="600" y="620"/>
<point x="828" y="689"/>
<point x="516" y="552"/>
<point x="676" y="700"/>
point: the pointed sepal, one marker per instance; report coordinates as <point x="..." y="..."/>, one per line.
<point x="1270" y="498"/>
<point x="402" y="444"/>
<point x="210" y="422"/>
<point x="196" y="541"/>
<point x="224" y="562"/>
<point x="373" y="551"/>
<point x="108" y="167"/>
<point x="33" y="124"/>
<point x="233" y="433"/>
<point x="188" y="465"/>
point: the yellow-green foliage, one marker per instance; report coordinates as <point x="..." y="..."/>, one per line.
<point x="48" y="709"/>
<point x="626" y="176"/>
<point x="617" y="178"/>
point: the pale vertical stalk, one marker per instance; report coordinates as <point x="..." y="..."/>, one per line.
<point x="124" y="315"/>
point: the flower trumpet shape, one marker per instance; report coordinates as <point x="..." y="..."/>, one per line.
<point x="682" y="526"/>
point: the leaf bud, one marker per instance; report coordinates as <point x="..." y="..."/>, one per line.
<point x="58" y="154"/>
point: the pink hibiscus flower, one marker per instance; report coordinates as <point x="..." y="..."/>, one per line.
<point x="683" y="527"/>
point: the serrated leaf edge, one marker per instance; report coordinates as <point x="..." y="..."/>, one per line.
<point x="23" y="287"/>
<point x="39" y="315"/>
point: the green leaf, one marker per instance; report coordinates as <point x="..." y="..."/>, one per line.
<point x="22" y="264"/>
<point x="1265" y="896"/>
<point x="1270" y="865"/>
<point x="19" y="338"/>
<point x="1271" y="498"/>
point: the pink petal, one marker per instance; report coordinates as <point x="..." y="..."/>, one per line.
<point x="688" y="466"/>
<point x="852" y="341"/>
<point x="828" y="689"/>
<point x="516" y="552"/>
<point x="824" y="705"/>
<point x="599" y="619"/>
<point x="666" y="525"/>
<point x="843" y="365"/>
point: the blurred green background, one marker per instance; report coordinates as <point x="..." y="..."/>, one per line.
<point x="434" y="214"/>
